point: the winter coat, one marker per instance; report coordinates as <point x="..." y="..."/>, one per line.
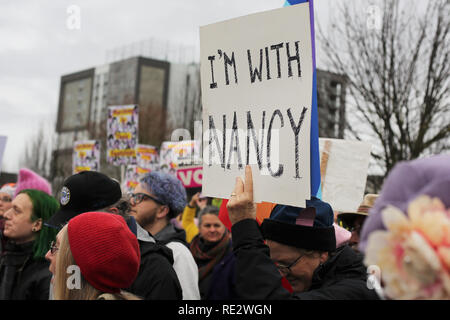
<point x="157" y="279"/>
<point x="343" y="276"/>
<point x="21" y="276"/>
<point x="184" y="263"/>
<point x="220" y="283"/>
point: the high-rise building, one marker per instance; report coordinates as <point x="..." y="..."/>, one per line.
<point x="331" y="104"/>
<point x="168" y="96"/>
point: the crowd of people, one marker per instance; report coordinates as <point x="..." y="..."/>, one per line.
<point x="95" y="243"/>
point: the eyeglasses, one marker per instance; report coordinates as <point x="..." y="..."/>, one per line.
<point x="136" y="198"/>
<point x="6" y="199"/>
<point x="287" y="269"/>
<point x="350" y="227"/>
<point x="53" y="247"/>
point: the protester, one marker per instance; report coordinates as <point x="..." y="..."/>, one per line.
<point x="94" y="191"/>
<point x="6" y="196"/>
<point x="213" y="252"/>
<point x="106" y="253"/>
<point x="158" y="198"/>
<point x="301" y="242"/>
<point x="406" y="237"/>
<point x="188" y="217"/>
<point x="24" y="273"/>
<point x="28" y="179"/>
<point x="353" y="221"/>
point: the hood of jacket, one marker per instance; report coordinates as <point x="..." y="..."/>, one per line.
<point x="344" y="263"/>
<point x="171" y="233"/>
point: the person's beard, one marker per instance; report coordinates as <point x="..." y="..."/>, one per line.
<point x="147" y="219"/>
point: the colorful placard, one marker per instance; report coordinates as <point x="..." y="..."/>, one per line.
<point x="147" y="157"/>
<point x="190" y="177"/>
<point x="86" y="156"/>
<point x="122" y="134"/>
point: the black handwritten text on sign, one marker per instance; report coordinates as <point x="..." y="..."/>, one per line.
<point x="235" y="146"/>
<point x="263" y="57"/>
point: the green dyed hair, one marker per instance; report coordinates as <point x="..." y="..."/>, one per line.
<point x="44" y="206"/>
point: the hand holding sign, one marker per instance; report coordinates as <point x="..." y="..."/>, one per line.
<point x="241" y="205"/>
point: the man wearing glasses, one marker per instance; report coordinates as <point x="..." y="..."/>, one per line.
<point x="157" y="199"/>
<point x="301" y="246"/>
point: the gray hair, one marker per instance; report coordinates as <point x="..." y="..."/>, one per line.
<point x="122" y="205"/>
<point x="207" y="210"/>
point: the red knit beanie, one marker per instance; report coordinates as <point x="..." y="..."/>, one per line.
<point x="104" y="248"/>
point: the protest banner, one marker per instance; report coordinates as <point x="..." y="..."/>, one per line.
<point x="175" y="154"/>
<point x="86" y="156"/>
<point x="3" y="140"/>
<point x="122" y="134"/>
<point x="190" y="177"/>
<point x="130" y="180"/>
<point x="344" y="166"/>
<point x="257" y="84"/>
<point x="147" y="157"/>
<point x="147" y="160"/>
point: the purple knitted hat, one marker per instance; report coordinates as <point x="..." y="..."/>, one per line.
<point x="31" y="180"/>
<point x="407" y="180"/>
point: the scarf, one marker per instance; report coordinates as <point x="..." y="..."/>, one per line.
<point x="213" y="253"/>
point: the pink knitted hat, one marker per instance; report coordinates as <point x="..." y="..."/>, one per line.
<point x="342" y="235"/>
<point x="31" y="180"/>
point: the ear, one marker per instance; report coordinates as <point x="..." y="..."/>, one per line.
<point x="37" y="225"/>
<point x="113" y="210"/>
<point x="323" y="257"/>
<point x="163" y="211"/>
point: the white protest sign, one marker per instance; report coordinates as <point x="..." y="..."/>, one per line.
<point x="3" y="140"/>
<point x="256" y="81"/>
<point x="343" y="170"/>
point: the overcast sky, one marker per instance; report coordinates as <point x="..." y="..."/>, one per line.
<point x="37" y="47"/>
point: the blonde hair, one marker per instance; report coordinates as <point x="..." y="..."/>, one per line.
<point x="61" y="291"/>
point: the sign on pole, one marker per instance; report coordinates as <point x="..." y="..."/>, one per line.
<point x="130" y="179"/>
<point x="344" y="166"/>
<point x="256" y="80"/>
<point x="122" y="134"/>
<point x="3" y="140"/>
<point x="86" y="156"/>
<point x="176" y="154"/>
<point x="147" y="157"/>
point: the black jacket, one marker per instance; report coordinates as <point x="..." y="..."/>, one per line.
<point x="342" y="277"/>
<point x="21" y="276"/>
<point x="156" y="279"/>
